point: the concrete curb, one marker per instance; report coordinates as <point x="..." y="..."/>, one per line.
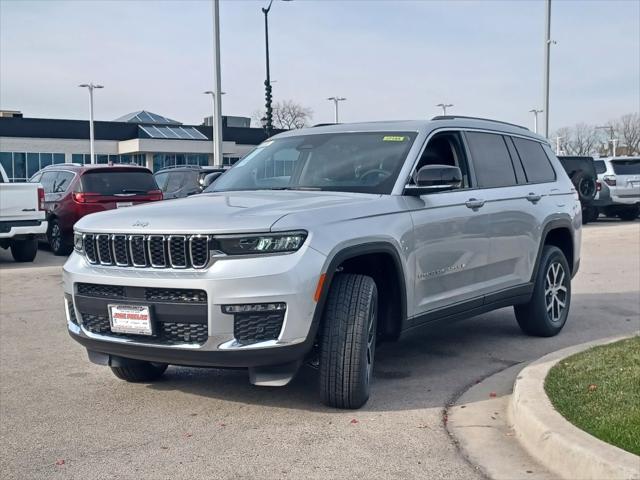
<point x="561" y="447"/>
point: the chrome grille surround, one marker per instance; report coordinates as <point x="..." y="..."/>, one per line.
<point x="148" y="251"/>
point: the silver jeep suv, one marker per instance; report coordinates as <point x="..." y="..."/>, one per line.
<point x="324" y="241"/>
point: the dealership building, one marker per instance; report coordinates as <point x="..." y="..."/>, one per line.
<point x="144" y="138"/>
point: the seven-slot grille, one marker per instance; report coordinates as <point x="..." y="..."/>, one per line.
<point x="157" y="251"/>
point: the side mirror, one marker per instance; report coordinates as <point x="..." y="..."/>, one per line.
<point x="435" y="178"/>
<point x="210" y="178"/>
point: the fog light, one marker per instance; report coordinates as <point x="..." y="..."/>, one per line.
<point x="254" y="307"/>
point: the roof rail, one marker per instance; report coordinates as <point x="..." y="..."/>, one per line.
<point x="452" y="117"/>
<point x="323" y="124"/>
<point x="194" y="167"/>
<point x="65" y="164"/>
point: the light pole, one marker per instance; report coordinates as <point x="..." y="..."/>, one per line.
<point x="336" y="100"/>
<point x="547" y="54"/>
<point x="216" y="93"/>
<point x="267" y="82"/>
<point x="611" y="139"/>
<point x="535" y="118"/>
<point x="91" y="86"/>
<point x="444" y="107"/>
<point x="558" y="150"/>
<point x="213" y="108"/>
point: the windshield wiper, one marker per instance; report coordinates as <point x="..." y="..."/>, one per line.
<point x="133" y="190"/>
<point x="295" y="188"/>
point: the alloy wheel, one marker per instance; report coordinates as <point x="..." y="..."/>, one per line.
<point x="371" y="338"/>
<point x="555" y="291"/>
<point x="56" y="237"/>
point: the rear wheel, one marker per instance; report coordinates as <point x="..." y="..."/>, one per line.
<point x="629" y="214"/>
<point x="24" y="250"/>
<point x="348" y="342"/>
<point x="56" y="239"/>
<point x="546" y="313"/>
<point x="140" y="371"/>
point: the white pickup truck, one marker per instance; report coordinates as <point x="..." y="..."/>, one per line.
<point x="22" y="217"/>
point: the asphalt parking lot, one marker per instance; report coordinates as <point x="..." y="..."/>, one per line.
<point x="63" y="417"/>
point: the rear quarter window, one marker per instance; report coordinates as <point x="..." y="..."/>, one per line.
<point x="599" y="166"/>
<point x="536" y="165"/>
<point x="116" y="182"/>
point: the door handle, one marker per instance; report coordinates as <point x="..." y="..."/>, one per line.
<point x="474" y="203"/>
<point x="533" y="197"/>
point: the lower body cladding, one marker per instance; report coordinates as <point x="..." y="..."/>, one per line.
<point x="256" y="313"/>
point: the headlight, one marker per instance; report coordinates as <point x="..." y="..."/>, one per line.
<point x="261" y="243"/>
<point x="77" y="241"/>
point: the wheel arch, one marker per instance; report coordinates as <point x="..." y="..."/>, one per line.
<point x="380" y="260"/>
<point x="559" y="233"/>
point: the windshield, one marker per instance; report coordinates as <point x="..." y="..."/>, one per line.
<point x="367" y="162"/>
<point x="629" y="166"/>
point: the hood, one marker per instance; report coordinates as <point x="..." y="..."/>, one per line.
<point x="222" y="212"/>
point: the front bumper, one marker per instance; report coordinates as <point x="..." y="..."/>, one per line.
<point x="289" y="279"/>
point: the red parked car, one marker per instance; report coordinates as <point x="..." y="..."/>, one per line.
<point x="73" y="191"/>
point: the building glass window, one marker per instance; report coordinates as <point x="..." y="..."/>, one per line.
<point x="58" y="158"/>
<point x="19" y="167"/>
<point x="33" y="164"/>
<point x="102" y="158"/>
<point x="46" y="159"/>
<point x="6" y="159"/>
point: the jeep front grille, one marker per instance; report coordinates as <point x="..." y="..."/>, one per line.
<point x="157" y="251"/>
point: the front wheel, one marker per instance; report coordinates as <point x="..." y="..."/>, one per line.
<point x="24" y="250"/>
<point x="546" y="313"/>
<point x="348" y="342"/>
<point x="140" y="371"/>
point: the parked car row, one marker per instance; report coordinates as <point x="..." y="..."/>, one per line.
<point x="609" y="186"/>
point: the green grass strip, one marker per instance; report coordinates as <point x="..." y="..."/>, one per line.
<point x="598" y="390"/>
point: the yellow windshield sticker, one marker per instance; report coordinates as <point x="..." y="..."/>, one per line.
<point x="393" y="138"/>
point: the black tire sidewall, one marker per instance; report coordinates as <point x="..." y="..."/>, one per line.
<point x="24" y="250"/>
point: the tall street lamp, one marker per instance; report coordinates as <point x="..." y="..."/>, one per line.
<point x="91" y="86"/>
<point x="335" y="101"/>
<point x="217" y="90"/>
<point x="535" y="118"/>
<point x="547" y="54"/>
<point x="612" y="140"/>
<point x="267" y="82"/>
<point x="213" y="120"/>
<point x="444" y="107"/>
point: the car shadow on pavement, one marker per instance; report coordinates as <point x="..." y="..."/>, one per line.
<point x="430" y="368"/>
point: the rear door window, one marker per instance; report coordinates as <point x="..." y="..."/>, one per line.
<point x="535" y="162"/>
<point x="63" y="180"/>
<point x="48" y="180"/>
<point x="491" y="160"/>
<point x="117" y="182"/>
<point x="629" y="166"/>
<point x="161" y="180"/>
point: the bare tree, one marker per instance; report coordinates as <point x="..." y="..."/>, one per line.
<point x="584" y="140"/>
<point x="627" y="130"/>
<point x="287" y="115"/>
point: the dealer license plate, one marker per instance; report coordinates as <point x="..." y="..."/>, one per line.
<point x="132" y="319"/>
<point x="123" y="204"/>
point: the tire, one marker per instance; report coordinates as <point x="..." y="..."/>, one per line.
<point x="589" y="215"/>
<point x="629" y="214"/>
<point x="140" y="371"/>
<point x="24" y="250"/>
<point x="585" y="186"/>
<point x="57" y="242"/>
<point x="348" y="341"/>
<point x="543" y="316"/>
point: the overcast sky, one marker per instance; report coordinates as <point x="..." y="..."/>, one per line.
<point x="391" y="59"/>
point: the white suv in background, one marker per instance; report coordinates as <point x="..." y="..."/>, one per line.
<point x="619" y="194"/>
